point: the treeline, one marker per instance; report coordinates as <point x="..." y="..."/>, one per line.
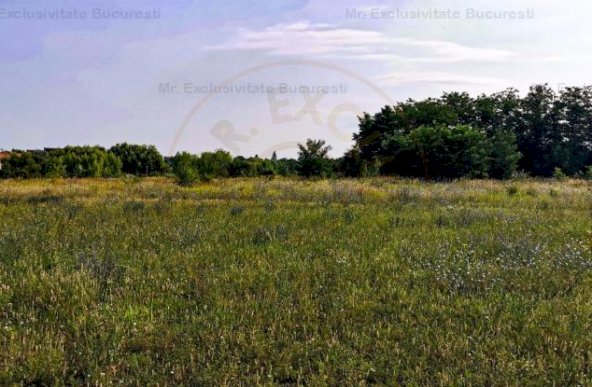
<point x="85" y="161"/>
<point x="138" y="160"/>
<point x="490" y="136"/>
<point x="542" y="134"/>
<point x="189" y="168"/>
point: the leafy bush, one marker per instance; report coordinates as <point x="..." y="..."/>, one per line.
<point x="512" y="190"/>
<point x="313" y="159"/>
<point x="558" y="174"/>
<point x="184" y="168"/>
<point x="441" y="152"/>
<point x="140" y="160"/>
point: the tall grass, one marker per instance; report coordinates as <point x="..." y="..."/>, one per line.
<point x="270" y="282"/>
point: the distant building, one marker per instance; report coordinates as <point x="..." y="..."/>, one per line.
<point x="3" y="155"/>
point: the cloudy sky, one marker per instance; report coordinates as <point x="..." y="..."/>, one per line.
<point x="262" y="75"/>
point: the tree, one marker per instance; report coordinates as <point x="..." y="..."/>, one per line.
<point x="504" y="155"/>
<point x="400" y="120"/>
<point x="550" y="131"/>
<point x="429" y="144"/>
<point x="462" y="107"/>
<point x="241" y="167"/>
<point x="286" y="167"/>
<point x="468" y="152"/>
<point x="211" y="165"/>
<point x="113" y="165"/>
<point x="537" y="130"/>
<point x="185" y="168"/>
<point x="313" y="159"/>
<point x="54" y="167"/>
<point x="140" y="160"/>
<point x="22" y="165"/>
<point x="441" y="152"/>
<point x="350" y="165"/>
<point x="84" y="161"/>
<point x="572" y="152"/>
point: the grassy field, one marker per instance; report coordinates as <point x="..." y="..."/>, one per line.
<point x="280" y="282"/>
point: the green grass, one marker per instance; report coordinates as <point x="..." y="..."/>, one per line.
<point x="271" y="282"/>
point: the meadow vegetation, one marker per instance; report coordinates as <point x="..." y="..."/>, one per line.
<point x="291" y="282"/>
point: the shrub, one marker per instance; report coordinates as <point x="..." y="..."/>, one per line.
<point x="237" y="210"/>
<point x="504" y="155"/>
<point x="558" y="174"/>
<point x="313" y="159"/>
<point x="439" y="152"/>
<point x="133" y="206"/>
<point x="512" y="190"/>
<point x="262" y="236"/>
<point x="184" y="168"/>
<point x="139" y="160"/>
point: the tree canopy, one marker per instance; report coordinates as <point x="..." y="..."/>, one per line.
<point x="543" y="133"/>
<point x="537" y="133"/>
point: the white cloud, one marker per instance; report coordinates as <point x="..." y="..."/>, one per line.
<point x="436" y="77"/>
<point x="303" y="38"/>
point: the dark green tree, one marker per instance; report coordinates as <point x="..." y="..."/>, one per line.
<point x="441" y="151"/>
<point x="504" y="154"/>
<point x="313" y="159"/>
<point x="140" y="160"/>
<point x="184" y="167"/>
<point x="537" y="132"/>
<point x="211" y="165"/>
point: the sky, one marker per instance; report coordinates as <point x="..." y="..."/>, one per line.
<point x="258" y="76"/>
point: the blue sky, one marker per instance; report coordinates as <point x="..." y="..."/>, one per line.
<point x="143" y="72"/>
